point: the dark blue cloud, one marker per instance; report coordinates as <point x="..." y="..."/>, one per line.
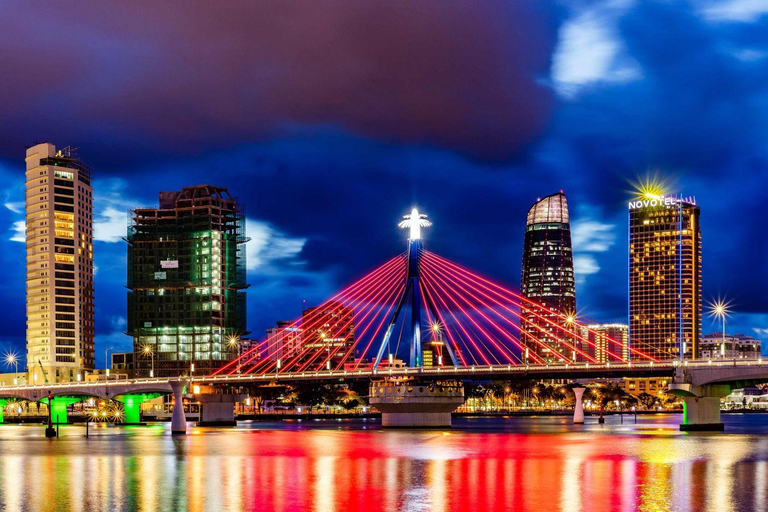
<point x="330" y="123"/>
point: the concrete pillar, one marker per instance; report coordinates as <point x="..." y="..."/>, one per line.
<point x="701" y="405"/>
<point x="179" y="419"/>
<point x="132" y="406"/>
<point x="218" y="410"/>
<point x="578" y="409"/>
<point x="416" y="405"/>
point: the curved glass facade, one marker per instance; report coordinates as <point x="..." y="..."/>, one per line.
<point x="547" y="279"/>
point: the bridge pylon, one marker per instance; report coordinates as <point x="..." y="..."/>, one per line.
<point x="412" y="294"/>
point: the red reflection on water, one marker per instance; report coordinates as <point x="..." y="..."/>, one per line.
<point x="375" y="470"/>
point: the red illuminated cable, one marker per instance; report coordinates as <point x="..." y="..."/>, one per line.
<point x="445" y="275"/>
<point x="372" y="290"/>
<point x="332" y="305"/>
<point x="502" y="331"/>
<point x="533" y="338"/>
<point x="378" y="328"/>
<point x="615" y="342"/>
<point x="387" y="290"/>
<point x="366" y="291"/>
<point x="496" y="343"/>
<point x="445" y="324"/>
<point x="238" y="362"/>
<point x="439" y="259"/>
<point x="461" y="327"/>
<point x="355" y="288"/>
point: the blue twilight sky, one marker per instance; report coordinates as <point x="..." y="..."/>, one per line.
<point x="330" y="119"/>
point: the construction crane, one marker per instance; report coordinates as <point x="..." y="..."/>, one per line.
<point x="43" y="370"/>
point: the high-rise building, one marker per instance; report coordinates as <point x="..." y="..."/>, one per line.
<point x="608" y="342"/>
<point x="664" y="276"/>
<point x="328" y="335"/>
<point x="547" y="280"/>
<point x="59" y="224"/>
<point x="283" y="341"/>
<point x="186" y="276"/>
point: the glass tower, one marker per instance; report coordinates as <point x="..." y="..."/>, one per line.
<point x="59" y="226"/>
<point x="186" y="276"/>
<point x="665" y="276"/>
<point x="547" y="280"/>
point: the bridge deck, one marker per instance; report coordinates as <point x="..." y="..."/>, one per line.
<point x="555" y="371"/>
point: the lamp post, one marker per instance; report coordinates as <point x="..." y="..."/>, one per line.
<point x="719" y="309"/>
<point x="148" y="350"/>
<point x="234" y="341"/>
<point x="12" y="359"/>
<point x="106" y="359"/>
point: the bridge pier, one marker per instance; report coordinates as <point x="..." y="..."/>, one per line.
<point x="578" y="409"/>
<point x="218" y="410"/>
<point x="59" y="407"/>
<point x="701" y="405"/>
<point x="414" y="405"/>
<point x="178" y="419"/>
<point x="132" y="406"/>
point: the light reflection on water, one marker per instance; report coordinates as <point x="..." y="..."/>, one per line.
<point x="483" y="464"/>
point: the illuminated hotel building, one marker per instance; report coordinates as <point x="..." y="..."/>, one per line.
<point x="186" y="280"/>
<point x="608" y="342"/>
<point x="665" y="276"/>
<point x="547" y="278"/>
<point x="59" y="225"/>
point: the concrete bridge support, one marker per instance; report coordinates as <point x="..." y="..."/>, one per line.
<point x="701" y="405"/>
<point x="218" y="410"/>
<point x="132" y="406"/>
<point x="413" y="405"/>
<point x="59" y="406"/>
<point x="178" y="419"/>
<point x="578" y="409"/>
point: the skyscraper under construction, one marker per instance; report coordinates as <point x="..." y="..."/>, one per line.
<point x="186" y="276"/>
<point x="548" y="281"/>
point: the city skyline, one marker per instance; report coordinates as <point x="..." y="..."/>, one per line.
<point x="315" y="180"/>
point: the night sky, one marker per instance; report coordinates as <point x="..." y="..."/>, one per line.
<point x="331" y="119"/>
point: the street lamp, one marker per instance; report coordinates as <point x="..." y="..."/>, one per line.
<point x="106" y="359"/>
<point x="234" y="341"/>
<point x="148" y="350"/>
<point x="12" y="359"/>
<point x="720" y="309"/>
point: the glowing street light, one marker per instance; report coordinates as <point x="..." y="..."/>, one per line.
<point x="234" y="341"/>
<point x="12" y="359"/>
<point x="720" y="309"/>
<point x="148" y="351"/>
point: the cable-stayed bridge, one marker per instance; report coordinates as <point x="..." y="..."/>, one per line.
<point x="416" y="327"/>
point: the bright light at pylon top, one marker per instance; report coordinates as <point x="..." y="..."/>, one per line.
<point x="414" y="222"/>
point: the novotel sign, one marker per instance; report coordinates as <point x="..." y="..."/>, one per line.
<point x="655" y="201"/>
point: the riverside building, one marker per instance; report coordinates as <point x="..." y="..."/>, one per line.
<point x="547" y="280"/>
<point x="665" y="276"/>
<point x="186" y="281"/>
<point x="59" y="283"/>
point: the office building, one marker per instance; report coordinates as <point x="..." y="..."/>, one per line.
<point x="738" y="346"/>
<point x="328" y="336"/>
<point x="186" y="276"/>
<point x="283" y="341"/>
<point x="665" y="276"/>
<point x="59" y="243"/>
<point x="608" y="342"/>
<point x="548" y="281"/>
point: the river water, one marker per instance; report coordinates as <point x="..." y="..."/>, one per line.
<point x="525" y="464"/>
